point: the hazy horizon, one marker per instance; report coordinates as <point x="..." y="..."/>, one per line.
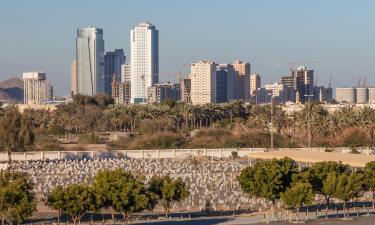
<point x="337" y="36"/>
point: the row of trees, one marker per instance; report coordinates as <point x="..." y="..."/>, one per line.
<point x="117" y="190"/>
<point x="280" y="180"/>
<point x="350" y="127"/>
<point x="79" y="117"/>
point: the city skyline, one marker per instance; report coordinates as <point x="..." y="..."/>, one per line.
<point x="336" y="36"/>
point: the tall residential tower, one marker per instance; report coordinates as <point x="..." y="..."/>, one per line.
<point x="36" y="89"/>
<point x="203" y="82"/>
<point x="90" y="61"/>
<point x="144" y="60"/>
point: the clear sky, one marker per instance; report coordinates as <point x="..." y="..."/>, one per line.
<point x="337" y="36"/>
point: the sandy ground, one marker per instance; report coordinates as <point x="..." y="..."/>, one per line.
<point x="354" y="160"/>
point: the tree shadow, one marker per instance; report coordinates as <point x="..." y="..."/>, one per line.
<point x="212" y="221"/>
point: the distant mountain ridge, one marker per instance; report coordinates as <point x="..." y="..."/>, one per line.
<point x="11" y="90"/>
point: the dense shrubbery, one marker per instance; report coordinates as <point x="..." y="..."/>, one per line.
<point x="205" y="138"/>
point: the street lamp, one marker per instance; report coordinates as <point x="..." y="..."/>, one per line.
<point x="308" y="121"/>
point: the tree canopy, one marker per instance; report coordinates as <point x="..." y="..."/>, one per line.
<point x="17" y="200"/>
<point x="168" y="190"/>
<point x="122" y="192"/>
<point x="268" y="179"/>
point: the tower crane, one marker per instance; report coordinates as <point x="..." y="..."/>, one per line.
<point x="292" y="64"/>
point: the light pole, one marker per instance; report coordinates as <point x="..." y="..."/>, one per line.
<point x="271" y="126"/>
<point x="308" y="121"/>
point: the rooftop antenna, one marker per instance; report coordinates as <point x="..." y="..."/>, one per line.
<point x="359" y="81"/>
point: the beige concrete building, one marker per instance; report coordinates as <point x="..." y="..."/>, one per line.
<point x="121" y="91"/>
<point x="73" y="78"/>
<point x="125" y="72"/>
<point x="255" y="83"/>
<point x="37" y="90"/>
<point x="203" y="82"/>
<point x="242" y="80"/>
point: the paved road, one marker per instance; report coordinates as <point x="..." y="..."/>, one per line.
<point x="251" y="220"/>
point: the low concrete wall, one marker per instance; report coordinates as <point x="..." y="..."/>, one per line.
<point x="138" y="154"/>
<point x="153" y="154"/>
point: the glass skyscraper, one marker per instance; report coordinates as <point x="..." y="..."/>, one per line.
<point x="90" y="61"/>
<point x="112" y="66"/>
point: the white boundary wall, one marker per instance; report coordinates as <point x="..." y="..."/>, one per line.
<point x="150" y="154"/>
<point x="138" y="154"/>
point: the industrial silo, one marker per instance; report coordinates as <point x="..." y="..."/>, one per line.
<point x="346" y="95"/>
<point x="362" y="95"/>
<point x="371" y="95"/>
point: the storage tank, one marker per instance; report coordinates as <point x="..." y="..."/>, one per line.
<point x="346" y="94"/>
<point x="371" y="95"/>
<point x="362" y="95"/>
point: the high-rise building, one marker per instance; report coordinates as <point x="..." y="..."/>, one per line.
<point x="144" y="60"/>
<point x="90" y="61"/>
<point x="120" y="91"/>
<point x="125" y="72"/>
<point x="281" y="93"/>
<point x="112" y="66"/>
<point x="242" y="80"/>
<point x="302" y="80"/>
<point x="304" y="83"/>
<point x="185" y="90"/>
<point x="73" y="78"/>
<point x="159" y="92"/>
<point x="224" y="82"/>
<point x="37" y="89"/>
<point x="255" y="83"/>
<point x="262" y="96"/>
<point x="203" y="82"/>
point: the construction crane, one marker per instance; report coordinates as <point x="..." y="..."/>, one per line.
<point x="330" y="81"/>
<point x="359" y="81"/>
<point x="364" y="81"/>
<point x="292" y="64"/>
<point x="180" y="76"/>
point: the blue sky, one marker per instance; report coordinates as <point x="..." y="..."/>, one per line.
<point x="338" y="36"/>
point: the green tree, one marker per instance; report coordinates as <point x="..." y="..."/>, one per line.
<point x="329" y="186"/>
<point x="122" y="192"/>
<point x="369" y="174"/>
<point x="168" y="190"/>
<point x="349" y="186"/>
<point x="297" y="195"/>
<point x="317" y="176"/>
<point x="76" y="201"/>
<point x="268" y="179"/>
<point x="56" y="201"/>
<point x="17" y="200"/>
<point x="16" y="132"/>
